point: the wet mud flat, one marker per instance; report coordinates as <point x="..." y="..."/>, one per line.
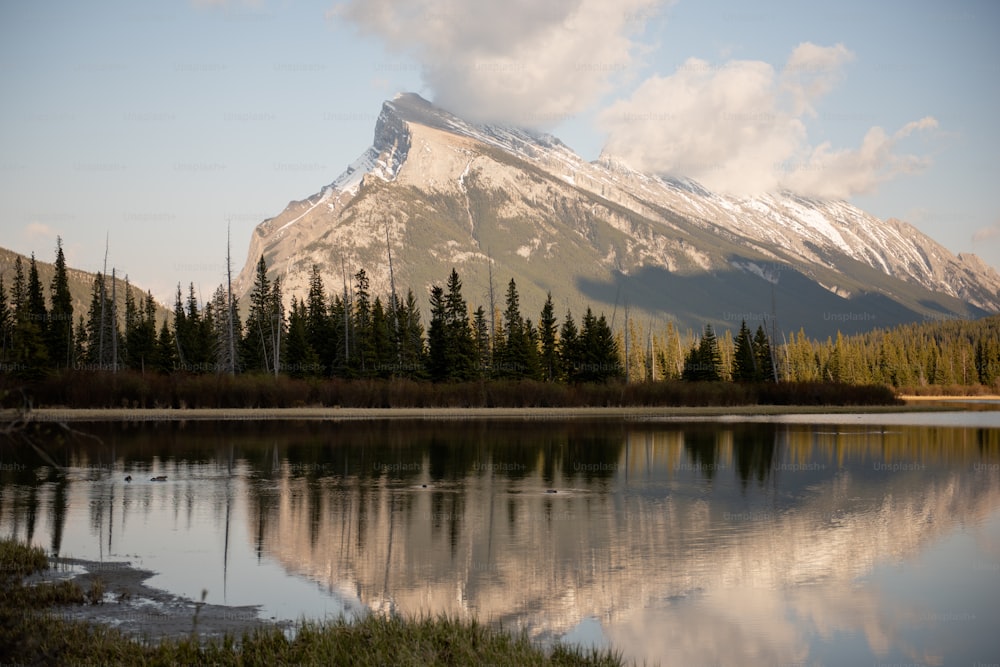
<point x="143" y="612"/>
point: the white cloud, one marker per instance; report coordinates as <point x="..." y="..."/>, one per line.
<point x="519" y="62"/>
<point x="811" y="72"/>
<point x="738" y="128"/>
<point x="987" y="234"/>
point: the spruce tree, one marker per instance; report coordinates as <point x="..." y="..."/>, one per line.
<point x="6" y="322"/>
<point x="364" y="343"/>
<point x="301" y="359"/>
<point x="569" y="349"/>
<point x="165" y="359"/>
<point x="411" y="352"/>
<point x="762" y="355"/>
<point x="744" y="360"/>
<point x="29" y="352"/>
<point x="384" y="358"/>
<point x="481" y="334"/>
<point x="319" y="325"/>
<point x="461" y="346"/>
<point x="99" y="325"/>
<point x="437" y="337"/>
<point x="704" y="362"/>
<point x="547" y="336"/>
<point x="514" y="355"/>
<point x="262" y="333"/>
<point x="60" y="330"/>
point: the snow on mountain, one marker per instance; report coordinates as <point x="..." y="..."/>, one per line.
<point x="440" y="192"/>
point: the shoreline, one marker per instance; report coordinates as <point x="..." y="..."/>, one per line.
<point x="56" y="415"/>
<point x="145" y="613"/>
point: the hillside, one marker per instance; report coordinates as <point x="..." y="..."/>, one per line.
<point x="81" y="284"/>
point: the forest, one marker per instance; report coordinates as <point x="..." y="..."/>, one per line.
<point x="355" y="335"/>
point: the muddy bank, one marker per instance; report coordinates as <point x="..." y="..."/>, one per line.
<point x="143" y="612"/>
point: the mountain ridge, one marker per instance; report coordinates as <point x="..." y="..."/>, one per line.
<point x="439" y="192"/>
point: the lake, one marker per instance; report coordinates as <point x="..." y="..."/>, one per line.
<point x="799" y="540"/>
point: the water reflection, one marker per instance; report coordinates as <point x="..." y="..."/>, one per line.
<point x="687" y="543"/>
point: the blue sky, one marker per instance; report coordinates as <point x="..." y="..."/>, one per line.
<point x="154" y="124"/>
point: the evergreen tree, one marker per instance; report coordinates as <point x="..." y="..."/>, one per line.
<point x="481" y="335"/>
<point x="341" y="323"/>
<point x="515" y="355"/>
<point x="6" y="322"/>
<point x="60" y="329"/>
<point x="762" y="355"/>
<point x="180" y="329"/>
<point x="265" y="320"/>
<point x="462" y="362"/>
<point x="570" y="359"/>
<point x="384" y="357"/>
<point x="704" y="363"/>
<point x="36" y="298"/>
<point x="744" y="359"/>
<point x="301" y="359"/>
<point x="364" y="339"/>
<point x="410" y="345"/>
<point x="218" y="319"/>
<point x="600" y="359"/>
<point x="28" y="350"/>
<point x="165" y="359"/>
<point x="319" y="325"/>
<point x="193" y="334"/>
<point x="547" y="330"/>
<point x="437" y="337"/>
<point x="100" y="327"/>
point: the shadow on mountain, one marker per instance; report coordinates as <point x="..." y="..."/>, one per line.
<point x="725" y="298"/>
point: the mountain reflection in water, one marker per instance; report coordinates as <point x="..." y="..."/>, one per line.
<point x="693" y="543"/>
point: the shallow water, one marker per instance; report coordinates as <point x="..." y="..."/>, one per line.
<point x="832" y="539"/>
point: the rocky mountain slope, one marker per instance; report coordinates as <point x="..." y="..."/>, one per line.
<point x="439" y="192"/>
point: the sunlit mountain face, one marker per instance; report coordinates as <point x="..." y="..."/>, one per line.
<point x="797" y="541"/>
<point x="435" y="192"/>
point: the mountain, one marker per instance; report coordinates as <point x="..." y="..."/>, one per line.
<point x="81" y="285"/>
<point x="439" y="192"/>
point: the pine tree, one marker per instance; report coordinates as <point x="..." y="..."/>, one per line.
<point x="60" y="329"/>
<point x="165" y="359"/>
<point x="301" y="358"/>
<point x="762" y="355"/>
<point x="364" y="343"/>
<point x="547" y="335"/>
<point x="437" y="337"/>
<point x="744" y="359"/>
<point x="384" y="358"/>
<point x="411" y="352"/>
<point x="99" y="327"/>
<point x="218" y="320"/>
<point x="341" y="322"/>
<point x="319" y="325"/>
<point x="481" y="335"/>
<point x="570" y="358"/>
<point x="515" y="354"/>
<point x="28" y="349"/>
<point x="599" y="352"/>
<point x="265" y="319"/>
<point x="462" y="360"/>
<point x="704" y="363"/>
<point x="6" y="322"/>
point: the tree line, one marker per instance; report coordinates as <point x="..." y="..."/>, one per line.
<point x="355" y="334"/>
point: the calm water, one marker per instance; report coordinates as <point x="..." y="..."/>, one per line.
<point x="788" y="541"/>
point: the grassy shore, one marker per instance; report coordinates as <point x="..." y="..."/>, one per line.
<point x="30" y="633"/>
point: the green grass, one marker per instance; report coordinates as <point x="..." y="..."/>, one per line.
<point x="30" y="634"/>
